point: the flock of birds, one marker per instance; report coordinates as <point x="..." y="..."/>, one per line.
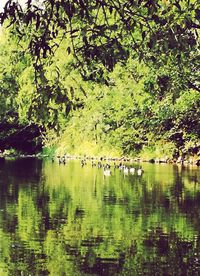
<point x="106" y="166"/>
<point x="122" y="167"/>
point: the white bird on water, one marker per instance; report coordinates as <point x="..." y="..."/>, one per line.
<point x="132" y="170"/>
<point x="107" y="172"/>
<point x="126" y="170"/>
<point x="139" y="171"/>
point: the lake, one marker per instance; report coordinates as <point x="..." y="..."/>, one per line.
<point x="72" y="220"/>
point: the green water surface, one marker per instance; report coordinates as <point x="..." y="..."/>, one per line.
<point x="71" y="220"/>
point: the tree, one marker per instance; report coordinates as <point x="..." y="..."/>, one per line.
<point x="17" y="131"/>
<point x="108" y="31"/>
<point x="76" y="48"/>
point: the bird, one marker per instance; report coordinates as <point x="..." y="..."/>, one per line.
<point x="83" y="162"/>
<point x="132" y="170"/>
<point x="107" y="166"/>
<point x="107" y="172"/>
<point x="139" y="171"/>
<point x="99" y="164"/>
<point x="126" y="170"/>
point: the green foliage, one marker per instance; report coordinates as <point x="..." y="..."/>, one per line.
<point x="9" y="68"/>
<point x="106" y="31"/>
<point x="158" y="150"/>
<point x="11" y="152"/>
<point x="128" y="116"/>
<point x="47" y="151"/>
<point x="116" y="79"/>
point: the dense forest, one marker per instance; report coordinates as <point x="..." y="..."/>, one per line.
<point x="104" y="77"/>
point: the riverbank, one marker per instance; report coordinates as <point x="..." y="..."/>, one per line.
<point x="38" y="155"/>
<point x="61" y="158"/>
<point x="182" y="161"/>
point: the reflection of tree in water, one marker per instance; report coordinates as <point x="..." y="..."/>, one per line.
<point x="187" y="198"/>
<point x="15" y="175"/>
<point x="118" y="227"/>
<point x="177" y="189"/>
<point x="18" y="185"/>
<point x="170" y="254"/>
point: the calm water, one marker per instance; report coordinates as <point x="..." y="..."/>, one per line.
<point x="71" y="220"/>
